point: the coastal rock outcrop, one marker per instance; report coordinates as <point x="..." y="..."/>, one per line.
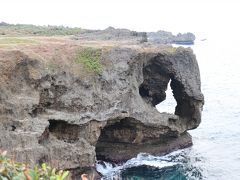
<point x="159" y="37"/>
<point x="164" y="37"/>
<point x="111" y="33"/>
<point x="68" y="116"/>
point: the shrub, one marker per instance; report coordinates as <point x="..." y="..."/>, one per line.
<point x="10" y="170"/>
<point x="89" y="57"/>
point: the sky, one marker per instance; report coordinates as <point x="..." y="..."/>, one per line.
<point x="202" y="17"/>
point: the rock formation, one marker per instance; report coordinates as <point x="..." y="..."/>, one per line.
<point x="159" y="37"/>
<point x="111" y="33"/>
<point x="57" y="112"/>
<point x="164" y="37"/>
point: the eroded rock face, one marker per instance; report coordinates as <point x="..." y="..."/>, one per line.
<point x="68" y="119"/>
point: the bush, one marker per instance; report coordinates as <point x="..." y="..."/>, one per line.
<point x="89" y="57"/>
<point x="10" y="170"/>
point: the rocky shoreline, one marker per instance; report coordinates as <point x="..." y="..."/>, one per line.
<point x="164" y="37"/>
<point x="55" y="109"/>
<point x="159" y="37"/>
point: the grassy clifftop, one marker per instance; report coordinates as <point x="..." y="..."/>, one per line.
<point x="58" y="48"/>
<point x="33" y="30"/>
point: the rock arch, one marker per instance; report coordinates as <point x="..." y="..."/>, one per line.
<point x="159" y="70"/>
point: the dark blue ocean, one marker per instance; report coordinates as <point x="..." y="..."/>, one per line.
<point x="215" y="154"/>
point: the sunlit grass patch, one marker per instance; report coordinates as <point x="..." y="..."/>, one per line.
<point x="170" y="49"/>
<point x="15" y="40"/>
<point x="32" y="30"/>
<point x="89" y="58"/>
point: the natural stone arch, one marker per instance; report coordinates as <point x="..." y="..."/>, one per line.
<point x="155" y="83"/>
<point x="158" y="71"/>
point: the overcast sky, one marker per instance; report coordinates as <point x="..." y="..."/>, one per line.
<point x="202" y="17"/>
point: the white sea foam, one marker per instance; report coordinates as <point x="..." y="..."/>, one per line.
<point x="112" y="171"/>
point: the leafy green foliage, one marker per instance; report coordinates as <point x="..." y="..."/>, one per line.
<point x="32" y="30"/>
<point x="10" y="170"/>
<point x="89" y="57"/>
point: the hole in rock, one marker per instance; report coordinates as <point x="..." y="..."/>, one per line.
<point x="169" y="104"/>
<point x="13" y="128"/>
<point x="64" y="131"/>
<point x="122" y="139"/>
<point x="120" y="130"/>
<point x="155" y="88"/>
<point x="117" y="134"/>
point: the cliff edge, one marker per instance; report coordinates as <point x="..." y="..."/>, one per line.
<point x="69" y="102"/>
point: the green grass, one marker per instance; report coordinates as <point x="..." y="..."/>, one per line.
<point x="89" y="58"/>
<point x="32" y="30"/>
<point x="15" y="40"/>
<point x="10" y="170"/>
<point x="170" y="49"/>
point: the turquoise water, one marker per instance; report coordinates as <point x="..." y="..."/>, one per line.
<point x="215" y="154"/>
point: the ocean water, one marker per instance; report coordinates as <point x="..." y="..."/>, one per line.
<point x="215" y="154"/>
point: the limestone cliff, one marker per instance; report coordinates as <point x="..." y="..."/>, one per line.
<point x="54" y="110"/>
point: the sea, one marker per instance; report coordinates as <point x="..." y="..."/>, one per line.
<point x="215" y="154"/>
